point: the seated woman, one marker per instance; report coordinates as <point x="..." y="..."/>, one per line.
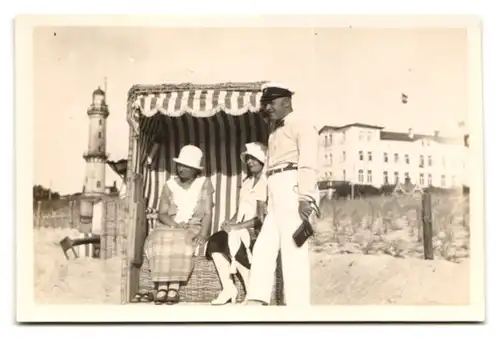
<point x="184" y="218"/>
<point x="235" y="233"/>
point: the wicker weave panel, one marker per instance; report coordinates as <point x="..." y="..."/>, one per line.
<point x="203" y="286"/>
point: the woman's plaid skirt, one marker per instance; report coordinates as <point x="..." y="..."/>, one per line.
<point x="169" y="254"/>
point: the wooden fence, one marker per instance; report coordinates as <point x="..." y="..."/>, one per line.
<point x="114" y="217"/>
<point x="66" y="215"/>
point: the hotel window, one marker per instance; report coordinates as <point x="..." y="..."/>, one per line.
<point x="100" y="122"/>
<point x="361" y="155"/>
<point x="369" y="136"/>
<point x="443" y="180"/>
<point x="360" y="176"/>
<point x="370" y="156"/>
<point x="326" y="140"/>
<point x="331" y="159"/>
<point x="429" y="160"/>
<point x="407" y="175"/>
<point x="100" y="135"/>
<point x="429" y="179"/>
<point x="396" y="158"/>
<point x="331" y="140"/>
<point x="396" y="177"/>
<point x="369" y="176"/>
<point x="422" y="181"/>
<point x="343" y="175"/>
<point x="386" y="178"/>
<point x="343" y="156"/>
<point x="407" y="159"/>
<point x="386" y="157"/>
<point x="343" y="137"/>
<point x="98" y="184"/>
<point x="361" y="135"/>
<point x="421" y="161"/>
<point x="453" y="180"/>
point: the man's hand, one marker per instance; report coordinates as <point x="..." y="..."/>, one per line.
<point x="229" y="226"/>
<point x="305" y="209"/>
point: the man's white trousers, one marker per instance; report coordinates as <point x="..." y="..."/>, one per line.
<point x="279" y="225"/>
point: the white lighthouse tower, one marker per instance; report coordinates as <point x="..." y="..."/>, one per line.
<point x="95" y="156"/>
<point x="95" y="159"/>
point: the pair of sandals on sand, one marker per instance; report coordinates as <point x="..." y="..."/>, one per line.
<point x="163" y="296"/>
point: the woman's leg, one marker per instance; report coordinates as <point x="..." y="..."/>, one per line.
<point x="218" y="251"/>
<point x="234" y="244"/>
<point x="223" y="268"/>
<point x="243" y="261"/>
<point x="161" y="292"/>
<point x="244" y="272"/>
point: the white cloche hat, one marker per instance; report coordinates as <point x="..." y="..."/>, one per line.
<point x="190" y="156"/>
<point x="256" y="150"/>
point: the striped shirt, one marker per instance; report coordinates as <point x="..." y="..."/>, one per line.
<point x="297" y="141"/>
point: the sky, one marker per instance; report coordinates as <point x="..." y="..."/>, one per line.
<point x="339" y="75"/>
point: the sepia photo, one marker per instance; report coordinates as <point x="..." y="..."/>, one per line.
<point x="268" y="169"/>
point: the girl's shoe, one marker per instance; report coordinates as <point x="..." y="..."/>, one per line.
<point x="226" y="296"/>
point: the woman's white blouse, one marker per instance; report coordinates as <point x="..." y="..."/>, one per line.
<point x="249" y="195"/>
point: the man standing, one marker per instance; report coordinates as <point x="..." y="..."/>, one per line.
<point x="292" y="169"/>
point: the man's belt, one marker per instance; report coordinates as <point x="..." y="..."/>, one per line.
<point x="289" y="167"/>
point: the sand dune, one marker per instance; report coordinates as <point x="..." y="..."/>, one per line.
<point x="345" y="279"/>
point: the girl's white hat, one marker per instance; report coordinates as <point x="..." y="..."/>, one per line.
<point x="190" y="156"/>
<point x="256" y="150"/>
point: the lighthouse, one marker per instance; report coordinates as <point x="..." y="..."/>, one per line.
<point x="95" y="157"/>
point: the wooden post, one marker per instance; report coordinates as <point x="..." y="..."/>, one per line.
<point x="115" y="232"/>
<point x="38" y="213"/>
<point x="427" y="226"/>
<point x="103" y="245"/>
<point x="71" y="216"/>
<point x="130" y="274"/>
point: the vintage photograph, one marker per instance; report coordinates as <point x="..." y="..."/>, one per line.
<point x="297" y="166"/>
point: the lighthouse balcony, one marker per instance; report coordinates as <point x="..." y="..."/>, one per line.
<point x="98" y="109"/>
<point x="95" y="155"/>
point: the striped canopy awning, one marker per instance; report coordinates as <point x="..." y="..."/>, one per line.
<point x="200" y="101"/>
<point x="219" y="119"/>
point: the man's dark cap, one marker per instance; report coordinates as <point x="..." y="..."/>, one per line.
<point x="272" y="92"/>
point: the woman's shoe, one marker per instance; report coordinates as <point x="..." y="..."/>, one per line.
<point x="226" y="296"/>
<point x="172" y="297"/>
<point x="163" y="298"/>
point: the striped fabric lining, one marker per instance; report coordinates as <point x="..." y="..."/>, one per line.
<point x="220" y="135"/>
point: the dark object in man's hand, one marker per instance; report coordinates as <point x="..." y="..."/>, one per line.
<point x="303" y="233"/>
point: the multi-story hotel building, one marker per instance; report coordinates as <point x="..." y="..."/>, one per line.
<point x="369" y="155"/>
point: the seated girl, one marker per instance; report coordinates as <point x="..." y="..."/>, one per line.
<point x="230" y="249"/>
<point x="184" y="218"/>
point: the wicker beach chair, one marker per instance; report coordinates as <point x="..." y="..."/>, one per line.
<point x="220" y="119"/>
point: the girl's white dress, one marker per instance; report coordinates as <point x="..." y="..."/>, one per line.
<point x="250" y="193"/>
